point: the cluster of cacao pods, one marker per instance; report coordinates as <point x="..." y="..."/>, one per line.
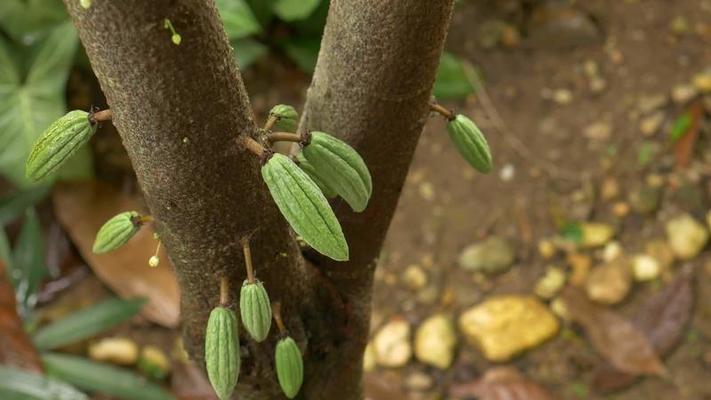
<point x="324" y="167"/>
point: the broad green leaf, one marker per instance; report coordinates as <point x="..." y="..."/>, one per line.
<point x="12" y="206"/>
<point x="451" y="81"/>
<point x="19" y="384"/>
<point x="572" y="232"/>
<point x="102" y="378"/>
<point x="247" y="51"/>
<point x="314" y="24"/>
<point x="304" y="52"/>
<point x="86" y="323"/>
<point x="28" y="266"/>
<point x="28" y="107"/>
<point x="25" y="20"/>
<point x="291" y="10"/>
<point x="238" y="18"/>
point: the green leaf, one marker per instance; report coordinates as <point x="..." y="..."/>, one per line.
<point x="291" y="10"/>
<point x="28" y="107"/>
<point x="19" y="384"/>
<point x="451" y="81"/>
<point x="28" y="268"/>
<point x="86" y="323"/>
<point x="238" y="18"/>
<point x="15" y="204"/>
<point x="304" y="52"/>
<point x="92" y="376"/>
<point x="247" y="51"/>
<point x="25" y="20"/>
<point x="680" y="127"/>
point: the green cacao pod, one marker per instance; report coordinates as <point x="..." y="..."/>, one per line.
<point x="255" y="309"/>
<point x="341" y="168"/>
<point x="222" y="351"/>
<point x="304" y="206"/>
<point x="117" y="231"/>
<point x="289" y="366"/>
<point x="306" y="166"/>
<point x="59" y="142"/>
<point x="470" y="143"/>
<point x="288" y="118"/>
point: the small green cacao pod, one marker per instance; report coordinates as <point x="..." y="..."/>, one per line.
<point x="222" y="351"/>
<point x="255" y="309"/>
<point x="341" y="168"/>
<point x="470" y="143"/>
<point x="289" y="366"/>
<point x="288" y="118"/>
<point x="304" y="206"/>
<point x="117" y="231"/>
<point x="306" y="166"/>
<point x="59" y="142"/>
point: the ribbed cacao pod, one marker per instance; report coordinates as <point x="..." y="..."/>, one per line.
<point x="288" y="118"/>
<point x="59" y="142"/>
<point x="304" y="206"/>
<point x="470" y="143"/>
<point x="289" y="366"/>
<point x="116" y="232"/>
<point x="306" y="166"/>
<point x="340" y="168"/>
<point x="222" y="351"/>
<point x="255" y="310"/>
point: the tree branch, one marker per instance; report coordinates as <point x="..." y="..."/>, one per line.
<point x="372" y="88"/>
<point x="179" y="110"/>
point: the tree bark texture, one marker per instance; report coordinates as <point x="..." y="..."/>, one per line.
<point x="179" y="110"/>
<point x="371" y="88"/>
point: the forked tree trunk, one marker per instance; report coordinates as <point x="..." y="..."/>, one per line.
<point x="179" y="110"/>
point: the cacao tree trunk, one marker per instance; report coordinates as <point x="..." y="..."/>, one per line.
<point x="179" y="110"/>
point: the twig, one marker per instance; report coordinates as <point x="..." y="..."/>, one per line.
<point x="285" y="137"/>
<point x="271" y="121"/>
<point x="100" y="116"/>
<point x="248" y="258"/>
<point x="276" y="312"/>
<point x="442" y="111"/>
<point x="253" y="146"/>
<point x="224" y="291"/>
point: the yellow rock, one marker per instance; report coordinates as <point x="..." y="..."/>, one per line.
<point x="391" y="344"/>
<point x="154" y="362"/>
<point x="122" y="351"/>
<point x="596" y="234"/>
<point x="609" y="283"/>
<point x="435" y="341"/>
<point x="504" y="326"/>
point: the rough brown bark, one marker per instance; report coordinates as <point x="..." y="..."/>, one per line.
<point x="179" y="110"/>
<point x="371" y="87"/>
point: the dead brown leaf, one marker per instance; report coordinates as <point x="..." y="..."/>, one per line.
<point x="617" y="340"/>
<point x="684" y="147"/>
<point x="16" y="349"/>
<point x="82" y="208"/>
<point x="663" y="319"/>
<point x="501" y="383"/>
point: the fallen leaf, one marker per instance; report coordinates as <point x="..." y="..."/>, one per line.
<point x="82" y="208"/>
<point x="617" y="340"/>
<point x="501" y="383"/>
<point x="662" y="318"/>
<point x="16" y="350"/>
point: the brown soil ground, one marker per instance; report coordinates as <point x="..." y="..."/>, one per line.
<point x="445" y="207"/>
